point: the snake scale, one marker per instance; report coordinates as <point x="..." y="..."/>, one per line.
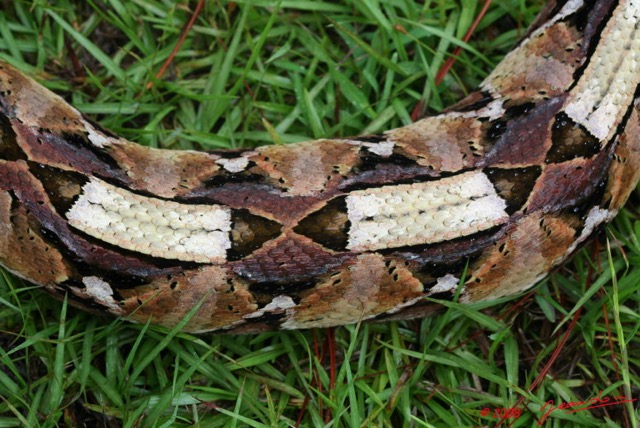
<point x="479" y="202"/>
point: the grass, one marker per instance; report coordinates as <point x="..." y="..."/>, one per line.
<point x="252" y="72"/>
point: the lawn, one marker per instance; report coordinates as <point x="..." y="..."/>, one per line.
<point x="254" y="72"/>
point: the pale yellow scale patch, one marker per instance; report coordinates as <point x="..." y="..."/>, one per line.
<point x="96" y="137"/>
<point x="606" y="89"/>
<point x="100" y="291"/>
<point x="234" y="165"/>
<point x="595" y="217"/>
<point x="423" y="213"/>
<point x="166" y="229"/>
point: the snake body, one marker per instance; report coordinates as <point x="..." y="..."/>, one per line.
<point x="479" y="202"/>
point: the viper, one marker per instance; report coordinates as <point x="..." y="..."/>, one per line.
<point x="476" y="203"/>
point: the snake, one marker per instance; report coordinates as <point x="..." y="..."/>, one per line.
<point x="474" y="204"/>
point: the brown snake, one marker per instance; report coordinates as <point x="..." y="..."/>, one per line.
<point x="482" y="200"/>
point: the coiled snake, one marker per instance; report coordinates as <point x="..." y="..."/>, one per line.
<point x="482" y="200"/>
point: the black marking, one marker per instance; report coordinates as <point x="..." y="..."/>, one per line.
<point x="402" y="170"/>
<point x="264" y="291"/>
<point x="230" y="153"/>
<point x="100" y="128"/>
<point x="329" y="226"/>
<point x="249" y="232"/>
<point x="375" y="138"/>
<point x="570" y="140"/>
<point x="372" y="160"/>
<point x="271" y="319"/>
<point x="444" y="295"/>
<point x="557" y="7"/>
<point x="9" y="148"/>
<point x="223" y="177"/>
<point x="594" y="199"/>
<point x="580" y="18"/>
<point x="518" y="110"/>
<point x="6" y="107"/>
<point x="419" y="309"/>
<point x="82" y="142"/>
<point x="15" y="203"/>
<point x="485" y="100"/>
<point x="514" y="185"/>
<point x="495" y="129"/>
<point x="391" y="175"/>
<point x="62" y="187"/>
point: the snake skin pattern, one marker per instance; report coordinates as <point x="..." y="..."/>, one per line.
<point x="484" y="199"/>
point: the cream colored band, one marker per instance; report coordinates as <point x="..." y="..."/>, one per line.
<point x="166" y="229"/>
<point x="423" y="213"/>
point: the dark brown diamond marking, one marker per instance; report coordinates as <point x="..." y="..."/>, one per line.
<point x="9" y="148"/>
<point x="570" y="140"/>
<point x="249" y="232"/>
<point x="514" y="185"/>
<point x="328" y="226"/>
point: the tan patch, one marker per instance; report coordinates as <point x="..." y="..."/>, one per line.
<point x="625" y="169"/>
<point x="166" y="173"/>
<point x="24" y="251"/>
<point x="35" y="105"/>
<point x="443" y="143"/>
<point x="167" y="301"/>
<point x="524" y="256"/>
<point x="6" y="229"/>
<point x="68" y="190"/>
<point x="5" y="209"/>
<point x="309" y="168"/>
<point x="542" y="67"/>
<point x="368" y="288"/>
